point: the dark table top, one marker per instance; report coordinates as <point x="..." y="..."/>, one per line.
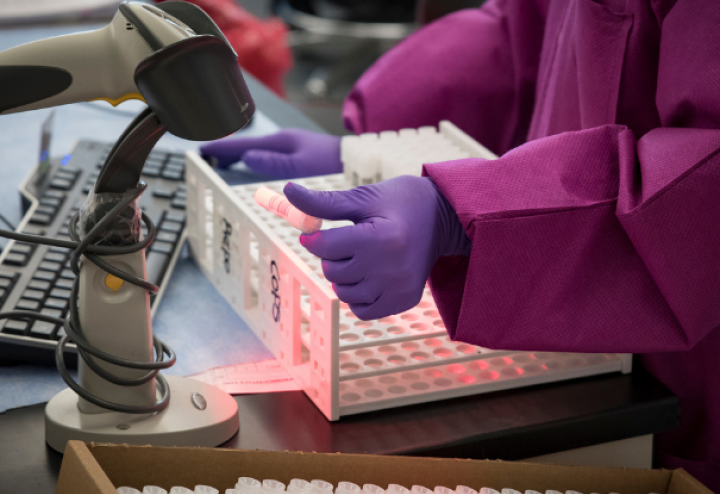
<point x="508" y="425"/>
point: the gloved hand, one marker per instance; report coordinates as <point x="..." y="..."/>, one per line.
<point x="290" y="153"/>
<point x="379" y="265"/>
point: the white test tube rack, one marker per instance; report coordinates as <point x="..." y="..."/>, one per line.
<point x="345" y="365"/>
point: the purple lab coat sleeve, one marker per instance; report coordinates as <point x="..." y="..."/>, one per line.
<point x="586" y="241"/>
<point x="592" y="240"/>
<point x="476" y="68"/>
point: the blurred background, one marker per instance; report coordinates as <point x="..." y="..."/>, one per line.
<point x="308" y="51"/>
<point x="334" y="41"/>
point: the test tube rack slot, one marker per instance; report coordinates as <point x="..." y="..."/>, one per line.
<point x="345" y="365"/>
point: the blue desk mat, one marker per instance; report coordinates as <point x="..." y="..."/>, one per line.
<point x="192" y="318"/>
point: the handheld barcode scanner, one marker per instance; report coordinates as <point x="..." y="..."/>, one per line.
<point x="173" y="57"/>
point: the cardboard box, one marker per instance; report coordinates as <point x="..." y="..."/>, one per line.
<point x="100" y="468"/>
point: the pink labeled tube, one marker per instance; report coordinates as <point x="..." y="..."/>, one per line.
<point x="280" y="206"/>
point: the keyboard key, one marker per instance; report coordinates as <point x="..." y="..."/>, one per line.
<point x="39" y="285"/>
<point x="33" y="230"/>
<point x="63" y="283"/>
<point x="161" y="247"/>
<point x="60" y="333"/>
<point x="24" y="304"/>
<point x="156" y="158"/>
<point x="178" y="204"/>
<point x="14" y="326"/>
<point x="56" y="303"/>
<point x="151" y="171"/>
<point x="44" y="275"/>
<point x="56" y="194"/>
<point x="55" y="257"/>
<point x="176" y="217"/>
<point x="52" y="202"/>
<point x="5" y="282"/>
<point x="171" y="175"/>
<point x="166" y="237"/>
<point x="156" y="264"/>
<point x="69" y="170"/>
<point x="60" y="293"/>
<point x="60" y="250"/>
<point x="21" y="248"/>
<point x="50" y="266"/>
<point x="164" y="194"/>
<point x="52" y="312"/>
<point x="3" y="292"/>
<point x="42" y="329"/>
<point x="40" y="219"/>
<point x="33" y="295"/>
<point x="182" y="188"/>
<point x="67" y="274"/>
<point x="66" y="175"/>
<point x="170" y="226"/>
<point x="13" y="259"/>
<point x="50" y="211"/>
<point x="171" y="167"/>
<point x="61" y="183"/>
<point x="182" y="195"/>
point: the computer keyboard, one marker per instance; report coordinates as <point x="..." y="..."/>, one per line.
<point x="38" y="278"/>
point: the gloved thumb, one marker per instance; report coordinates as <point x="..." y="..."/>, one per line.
<point x="328" y="205"/>
<point x="272" y="164"/>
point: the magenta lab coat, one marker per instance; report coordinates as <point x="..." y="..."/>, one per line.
<point x="598" y="230"/>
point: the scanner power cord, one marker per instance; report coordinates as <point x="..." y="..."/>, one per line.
<point x="73" y="329"/>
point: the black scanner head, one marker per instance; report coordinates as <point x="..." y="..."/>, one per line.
<point x="195" y="86"/>
<point x="196" y="89"/>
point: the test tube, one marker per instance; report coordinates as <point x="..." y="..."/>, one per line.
<point x="321" y="487"/>
<point x="247" y="484"/>
<point x="271" y="486"/>
<point x="397" y="489"/>
<point x="153" y="489"/>
<point x="420" y="489"/>
<point x="180" y="490"/>
<point x="372" y="489"/>
<point x="205" y="489"/>
<point x="441" y="489"/>
<point x="127" y="490"/>
<point x="299" y="485"/>
<point x="463" y="489"/>
<point x="280" y="206"/>
<point x="347" y="488"/>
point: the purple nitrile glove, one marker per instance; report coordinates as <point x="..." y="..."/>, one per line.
<point x="379" y="265"/>
<point x="290" y="153"/>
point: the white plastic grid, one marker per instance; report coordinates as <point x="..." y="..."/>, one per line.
<point x="345" y="365"/>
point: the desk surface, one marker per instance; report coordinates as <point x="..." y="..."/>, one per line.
<point x="507" y="425"/>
